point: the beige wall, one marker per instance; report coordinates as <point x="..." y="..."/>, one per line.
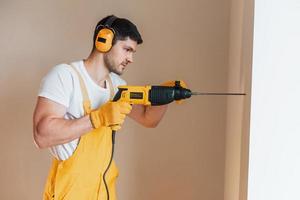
<point x="238" y="108"/>
<point x="184" y="157"/>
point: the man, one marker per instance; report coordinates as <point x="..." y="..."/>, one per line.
<point x="74" y="117"/>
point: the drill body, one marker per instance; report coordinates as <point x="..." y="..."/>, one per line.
<point x="152" y="95"/>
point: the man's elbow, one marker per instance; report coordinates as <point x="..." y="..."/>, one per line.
<point x="39" y="139"/>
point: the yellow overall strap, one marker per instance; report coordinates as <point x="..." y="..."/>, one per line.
<point x="85" y="96"/>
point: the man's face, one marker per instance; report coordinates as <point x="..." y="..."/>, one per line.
<point x="120" y="55"/>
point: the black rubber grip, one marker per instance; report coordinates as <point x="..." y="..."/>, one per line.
<point x="161" y="95"/>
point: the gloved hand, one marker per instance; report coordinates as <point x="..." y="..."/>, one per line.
<point x="111" y="114"/>
<point x="172" y="84"/>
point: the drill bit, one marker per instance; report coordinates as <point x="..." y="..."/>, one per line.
<point x="216" y="93"/>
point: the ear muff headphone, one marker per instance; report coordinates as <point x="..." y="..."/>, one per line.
<point x="105" y="36"/>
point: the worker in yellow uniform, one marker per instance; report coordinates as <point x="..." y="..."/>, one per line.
<point x="74" y="115"/>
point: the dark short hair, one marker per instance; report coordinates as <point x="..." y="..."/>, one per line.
<point x="123" y="29"/>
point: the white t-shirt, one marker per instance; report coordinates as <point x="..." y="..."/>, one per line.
<point x="62" y="86"/>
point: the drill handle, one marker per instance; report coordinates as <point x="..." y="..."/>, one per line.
<point x="117" y="97"/>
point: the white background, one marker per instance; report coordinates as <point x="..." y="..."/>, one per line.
<point x="274" y="169"/>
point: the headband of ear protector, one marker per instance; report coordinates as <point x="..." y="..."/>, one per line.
<point x="105" y="35"/>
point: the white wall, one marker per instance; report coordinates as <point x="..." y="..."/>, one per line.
<point x="274" y="172"/>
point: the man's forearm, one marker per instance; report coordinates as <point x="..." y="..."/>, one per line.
<point x="154" y="114"/>
<point x="53" y="131"/>
<point x="148" y="116"/>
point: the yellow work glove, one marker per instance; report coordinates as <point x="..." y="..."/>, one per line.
<point x="111" y="114"/>
<point x="172" y="84"/>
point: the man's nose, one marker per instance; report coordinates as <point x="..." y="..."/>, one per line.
<point x="130" y="58"/>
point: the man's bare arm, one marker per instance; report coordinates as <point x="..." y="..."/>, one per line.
<point x="148" y="116"/>
<point x="50" y="128"/>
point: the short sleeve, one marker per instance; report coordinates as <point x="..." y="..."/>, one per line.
<point x="58" y="85"/>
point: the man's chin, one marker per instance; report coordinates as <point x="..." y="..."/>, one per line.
<point x="119" y="72"/>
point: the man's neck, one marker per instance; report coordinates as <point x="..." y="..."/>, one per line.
<point x="96" y="68"/>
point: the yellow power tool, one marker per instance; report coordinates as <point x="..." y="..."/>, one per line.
<point x="152" y="95"/>
<point x="158" y="95"/>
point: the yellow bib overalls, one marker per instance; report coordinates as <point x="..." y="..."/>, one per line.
<point x="80" y="177"/>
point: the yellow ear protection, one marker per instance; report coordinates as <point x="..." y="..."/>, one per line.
<point x="105" y="35"/>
